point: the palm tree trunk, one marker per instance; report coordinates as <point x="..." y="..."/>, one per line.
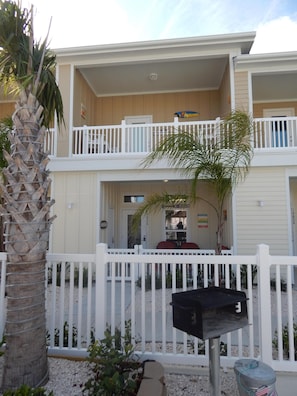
<point x="27" y="215"/>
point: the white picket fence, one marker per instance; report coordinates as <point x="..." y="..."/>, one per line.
<point x="133" y="289"/>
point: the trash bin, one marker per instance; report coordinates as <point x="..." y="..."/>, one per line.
<point x="254" y="378"/>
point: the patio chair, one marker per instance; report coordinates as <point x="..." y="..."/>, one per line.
<point x="166" y="245"/>
<point x="189" y="245"/>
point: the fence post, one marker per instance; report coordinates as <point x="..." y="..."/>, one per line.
<point x="100" y="293"/>
<point x="264" y="303"/>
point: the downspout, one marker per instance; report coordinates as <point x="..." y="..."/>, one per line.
<point x="71" y="93"/>
<point x="56" y="126"/>
<point x="232" y="83"/>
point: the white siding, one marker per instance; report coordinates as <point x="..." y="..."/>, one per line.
<point x="262" y="224"/>
<point x="74" y="228"/>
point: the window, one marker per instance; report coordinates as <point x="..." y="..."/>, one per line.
<point x="133" y="198"/>
<point x="176" y="225"/>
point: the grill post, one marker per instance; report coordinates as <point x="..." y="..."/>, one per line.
<point x="214" y="367"/>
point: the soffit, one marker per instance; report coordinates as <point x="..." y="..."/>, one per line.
<point x="172" y="76"/>
<point x="279" y="86"/>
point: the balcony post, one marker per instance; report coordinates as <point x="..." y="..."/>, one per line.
<point x="85" y="139"/>
<point x="176" y="123"/>
<point x="123" y="137"/>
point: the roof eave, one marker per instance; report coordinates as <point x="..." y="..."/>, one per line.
<point x="225" y="43"/>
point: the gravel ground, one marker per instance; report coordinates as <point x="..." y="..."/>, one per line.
<point x="67" y="378"/>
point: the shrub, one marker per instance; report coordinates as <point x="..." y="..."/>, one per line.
<point x="2" y="342"/>
<point x="168" y="280"/>
<point x="65" y="336"/>
<point x="26" y="390"/>
<point x="115" y="370"/>
<point x="285" y="338"/>
<point x="283" y="285"/>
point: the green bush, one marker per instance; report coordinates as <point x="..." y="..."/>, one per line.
<point x="65" y="336"/>
<point x="2" y="342"/>
<point x="84" y="275"/>
<point x="285" y="338"/>
<point x="168" y="280"/>
<point x="26" y="390"/>
<point x="283" y="285"/>
<point x="115" y="371"/>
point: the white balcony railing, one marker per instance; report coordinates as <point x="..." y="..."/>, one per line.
<point x="275" y="133"/>
<point x="268" y="134"/>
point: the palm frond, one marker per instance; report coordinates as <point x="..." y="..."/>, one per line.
<point x="156" y="202"/>
<point x="22" y="66"/>
<point x="223" y="159"/>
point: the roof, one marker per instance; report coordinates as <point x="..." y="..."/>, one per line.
<point x="185" y="64"/>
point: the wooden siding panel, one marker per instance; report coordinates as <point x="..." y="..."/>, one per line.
<point x="258" y="108"/>
<point x="75" y="227"/>
<point x="112" y="110"/>
<point x="241" y="91"/>
<point x="267" y="224"/>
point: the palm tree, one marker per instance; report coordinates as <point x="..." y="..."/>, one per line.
<point x="28" y="67"/>
<point x="5" y="128"/>
<point x="223" y="161"/>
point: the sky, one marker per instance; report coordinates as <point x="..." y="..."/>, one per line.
<point x="93" y="22"/>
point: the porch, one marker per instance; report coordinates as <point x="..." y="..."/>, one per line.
<point x="269" y="134"/>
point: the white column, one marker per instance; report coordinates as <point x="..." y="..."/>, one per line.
<point x="264" y="303"/>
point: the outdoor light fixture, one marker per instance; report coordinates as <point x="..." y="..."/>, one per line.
<point x="103" y="224"/>
<point x="70" y="205"/>
<point x="260" y="203"/>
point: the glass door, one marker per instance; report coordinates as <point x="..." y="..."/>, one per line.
<point x="138" y="136"/>
<point x="129" y="236"/>
<point x="279" y="127"/>
<point x="176" y="225"/>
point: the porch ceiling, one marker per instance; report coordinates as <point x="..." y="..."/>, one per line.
<point x="172" y="76"/>
<point x="279" y="86"/>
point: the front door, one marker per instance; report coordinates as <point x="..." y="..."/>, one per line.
<point x="279" y="128"/>
<point x="138" y="138"/>
<point x="129" y="236"/>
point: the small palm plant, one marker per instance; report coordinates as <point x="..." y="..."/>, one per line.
<point x="223" y="162"/>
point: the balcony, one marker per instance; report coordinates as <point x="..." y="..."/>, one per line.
<point x="269" y="134"/>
